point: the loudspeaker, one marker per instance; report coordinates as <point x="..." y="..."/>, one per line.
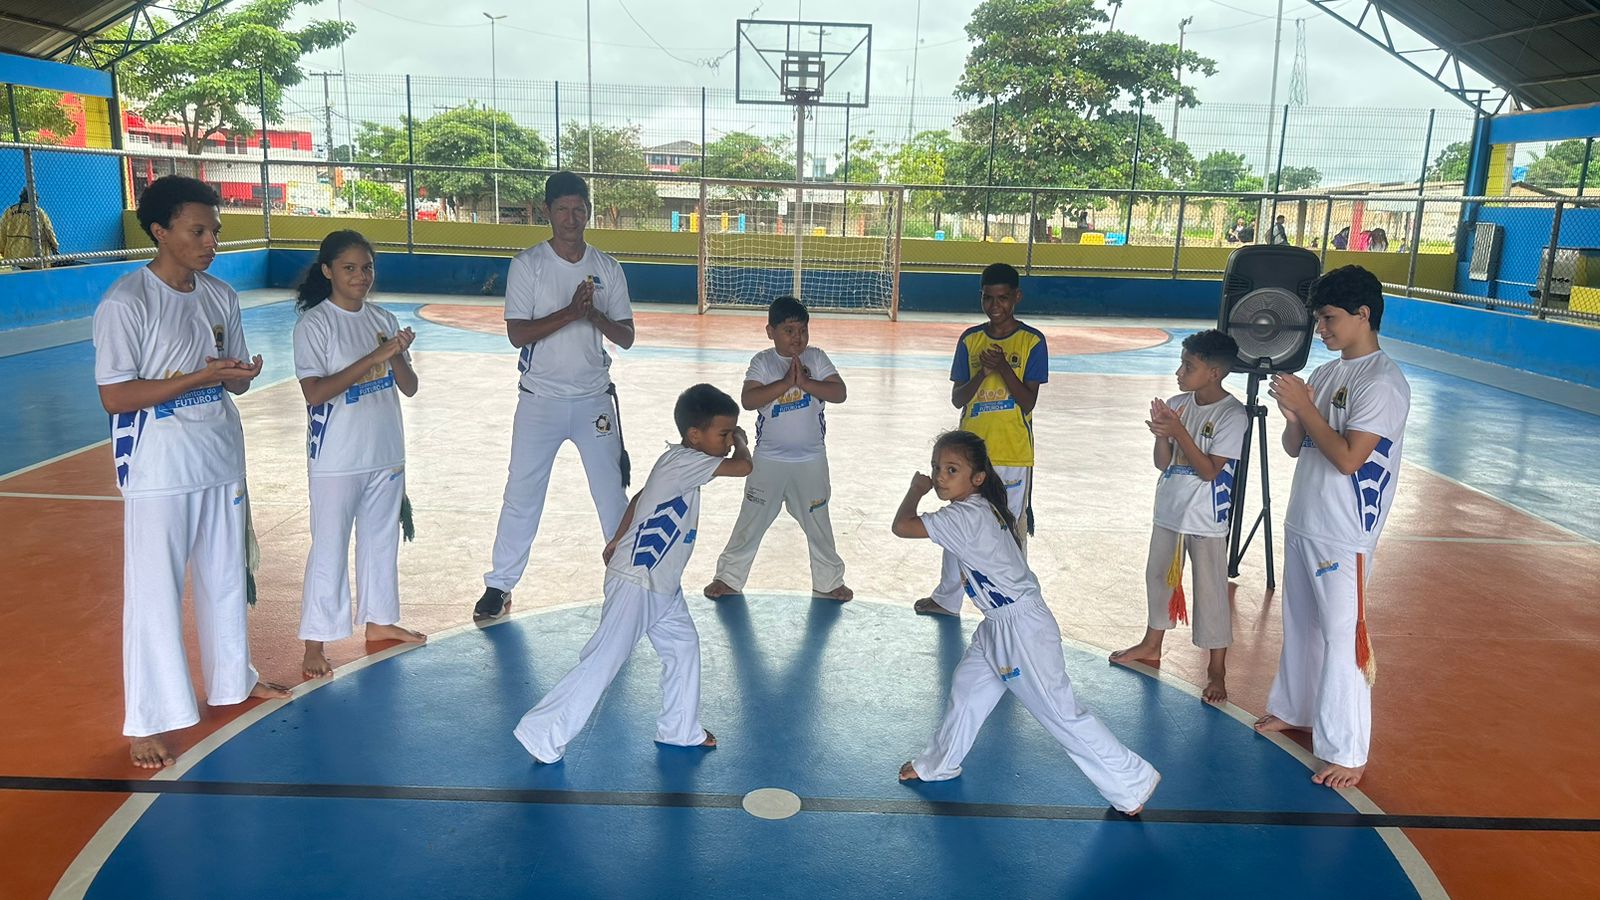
<point x="1266" y="306"/>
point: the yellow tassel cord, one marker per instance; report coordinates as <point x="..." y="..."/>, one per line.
<point x="1177" y="609"/>
<point x="1365" y="658"/>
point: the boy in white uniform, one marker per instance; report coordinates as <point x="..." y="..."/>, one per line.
<point x="1199" y="436"/>
<point x="351" y="357"/>
<point x="789" y="387"/>
<point x="1347" y="427"/>
<point x="562" y="297"/>
<point x="169" y="349"/>
<point x="1017" y="647"/>
<point x="643" y="587"/>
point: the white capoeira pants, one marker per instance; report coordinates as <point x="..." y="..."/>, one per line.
<point x="1208" y="571"/>
<point x="1318" y="685"/>
<point x="628" y="612"/>
<point x="1019" y="491"/>
<point x="1018" y="648"/>
<point x="802" y="488"/>
<point x="201" y="531"/>
<point x="369" y="501"/>
<point x="541" y="426"/>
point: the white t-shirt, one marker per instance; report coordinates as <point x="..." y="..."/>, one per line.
<point x="143" y="329"/>
<point x="665" y="519"/>
<point x="1185" y="502"/>
<point x="1367" y="394"/>
<point x="571" y="364"/>
<point x="974" y="533"/>
<point x="359" y="430"/>
<point x="792" y="427"/>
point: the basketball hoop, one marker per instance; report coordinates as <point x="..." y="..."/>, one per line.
<point x="803" y="75"/>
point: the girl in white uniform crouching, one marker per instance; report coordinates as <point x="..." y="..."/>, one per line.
<point x="350" y="356"/>
<point x="1017" y="647"/>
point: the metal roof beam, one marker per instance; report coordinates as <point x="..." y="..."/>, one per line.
<point x="104" y="53"/>
<point x="1483" y="100"/>
<point x="1529" y="29"/>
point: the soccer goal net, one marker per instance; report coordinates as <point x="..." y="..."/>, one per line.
<point x="837" y="248"/>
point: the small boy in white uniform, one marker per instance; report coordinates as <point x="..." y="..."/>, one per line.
<point x="1017" y="646"/>
<point x="1199" y="436"/>
<point x="789" y="387"/>
<point x="169" y="349"/>
<point x="643" y="586"/>
<point x="1347" y="427"/>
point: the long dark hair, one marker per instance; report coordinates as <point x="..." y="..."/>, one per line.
<point x="993" y="488"/>
<point x="315" y="286"/>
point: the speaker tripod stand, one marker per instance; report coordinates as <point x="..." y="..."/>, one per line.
<point x="1256" y="429"/>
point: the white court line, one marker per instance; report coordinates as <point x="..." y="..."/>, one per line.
<point x="54" y="459"/>
<point x="1521" y="542"/>
<point x="28" y="496"/>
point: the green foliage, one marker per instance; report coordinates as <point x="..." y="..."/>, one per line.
<point x="1451" y="163"/>
<point x="468" y="136"/>
<point x="615" y="150"/>
<point x="742" y="155"/>
<point x="1559" y="166"/>
<point x="207" y="76"/>
<point x="925" y="159"/>
<point x="377" y="199"/>
<point x="40" y="116"/>
<point x="1224" y="170"/>
<point x="866" y="163"/>
<point x="1299" y="178"/>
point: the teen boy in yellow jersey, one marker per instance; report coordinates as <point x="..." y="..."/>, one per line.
<point x="996" y="374"/>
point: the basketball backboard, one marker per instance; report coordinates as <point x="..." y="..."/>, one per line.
<point x="783" y="62"/>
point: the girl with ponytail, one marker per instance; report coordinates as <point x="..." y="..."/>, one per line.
<point x="351" y="358"/>
<point x="1017" y="647"/>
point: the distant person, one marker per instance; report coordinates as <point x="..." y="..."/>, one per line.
<point x="1247" y="233"/>
<point x="1233" y="230"/>
<point x="18" y="237"/>
<point x="1378" y="240"/>
<point x="1279" y="235"/>
<point x="1341" y="241"/>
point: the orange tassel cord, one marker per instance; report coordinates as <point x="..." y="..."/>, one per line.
<point x="1177" y="609"/>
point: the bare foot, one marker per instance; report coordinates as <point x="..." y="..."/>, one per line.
<point x="266" y="690"/>
<point x="841" y="593"/>
<point x="316" y="663"/>
<point x="1269" y="724"/>
<point x="151" y="752"/>
<point x="908" y="772"/>
<point x="1147" y="650"/>
<point x="1339" y="776"/>
<point x="394" y="633"/>
<point x="710" y="742"/>
<point x="1216" y="690"/>
<point x="927" y="607"/>
<point x="718" y="588"/>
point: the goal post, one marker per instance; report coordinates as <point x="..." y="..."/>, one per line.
<point x="842" y="239"/>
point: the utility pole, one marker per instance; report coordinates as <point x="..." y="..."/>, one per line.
<point x="588" y="42"/>
<point x="1272" y="99"/>
<point x="1177" y="98"/>
<point x="349" y="134"/>
<point x="916" y="45"/>
<point x="327" y="126"/>
<point x="494" y="113"/>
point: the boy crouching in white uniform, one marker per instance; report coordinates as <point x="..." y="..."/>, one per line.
<point x="789" y="387"/>
<point x="643" y="587"/>
<point x="1199" y="436"/>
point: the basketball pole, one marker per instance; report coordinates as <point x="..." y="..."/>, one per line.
<point x="1257" y="428"/>
<point x="799" y="187"/>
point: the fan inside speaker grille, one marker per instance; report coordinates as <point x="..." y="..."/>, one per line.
<point x="1270" y="323"/>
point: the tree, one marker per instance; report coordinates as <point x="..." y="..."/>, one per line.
<point x="40" y="117"/>
<point x="866" y="162"/>
<point x="616" y="150"/>
<point x="1451" y="163"/>
<point x="1559" y="166"/>
<point x="1062" y="86"/>
<point x="1223" y="171"/>
<point x="468" y="136"/>
<point x="742" y="155"/>
<point x="206" y="75"/>
<point x="377" y="199"/>
<point x="1299" y="178"/>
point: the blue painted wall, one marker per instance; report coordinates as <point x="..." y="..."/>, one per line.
<point x="1527" y="234"/>
<point x="1546" y="125"/>
<point x="82" y="193"/>
<point x="1553" y="349"/>
<point x="29" y="72"/>
<point x="71" y="292"/>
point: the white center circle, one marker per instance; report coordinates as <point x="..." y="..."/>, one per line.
<point x="771" y="803"/>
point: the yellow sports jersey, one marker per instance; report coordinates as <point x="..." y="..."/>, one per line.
<point x="992" y="413"/>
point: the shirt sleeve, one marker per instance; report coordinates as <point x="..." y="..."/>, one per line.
<point x="618" y="303"/>
<point x="1037" y="368"/>
<point x="310" y="349"/>
<point x="1228" y="439"/>
<point x="960" y="367"/>
<point x="683" y="470"/>
<point x="951" y="527"/>
<point x="1377" y="408"/>
<point x="821" y="366"/>
<point x="758" y="370"/>
<point x="116" y="343"/>
<point x="519" y="289"/>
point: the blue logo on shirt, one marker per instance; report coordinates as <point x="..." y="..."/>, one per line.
<point x="1014" y="673"/>
<point x="780" y="408"/>
<point x="659" y="531"/>
<point x="990" y="406"/>
<point x="1372" y="481"/>
<point x="357" y="391"/>
<point x="1324" y="568"/>
<point x="196" y="397"/>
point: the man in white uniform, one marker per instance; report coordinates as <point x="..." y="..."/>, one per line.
<point x="562" y="297"/>
<point x="169" y="349"/>
<point x="1347" y="427"/>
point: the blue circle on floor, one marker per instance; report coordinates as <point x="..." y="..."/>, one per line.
<point x="403" y="780"/>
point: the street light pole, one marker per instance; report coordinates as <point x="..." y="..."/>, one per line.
<point x="1177" y="99"/>
<point x="916" y="45"/>
<point x="494" y="113"/>
<point x="588" y="44"/>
